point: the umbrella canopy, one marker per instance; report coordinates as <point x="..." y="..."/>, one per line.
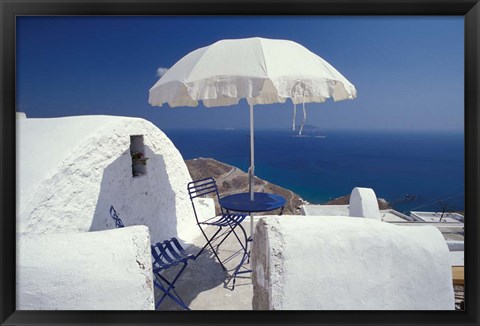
<point x="260" y="70"/>
<point x="263" y="71"/>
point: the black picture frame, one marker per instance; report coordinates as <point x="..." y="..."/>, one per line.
<point x="470" y="9"/>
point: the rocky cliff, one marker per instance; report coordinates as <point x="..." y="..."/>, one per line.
<point x="232" y="180"/>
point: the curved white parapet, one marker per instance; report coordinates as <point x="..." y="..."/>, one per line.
<point x="104" y="270"/>
<point x="72" y="169"/>
<point x="21" y="115"/>
<point x="363" y="203"/>
<point x="455" y="245"/>
<point x="342" y="263"/>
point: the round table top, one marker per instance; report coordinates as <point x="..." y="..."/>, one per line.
<point x="263" y="202"/>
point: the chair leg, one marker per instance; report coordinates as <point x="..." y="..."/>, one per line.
<point x="245" y="234"/>
<point x="210" y="244"/>
<point x="177" y="299"/>
<point x="232" y="229"/>
<point x="171" y="287"/>
<point x="226" y="236"/>
<point x="246" y="255"/>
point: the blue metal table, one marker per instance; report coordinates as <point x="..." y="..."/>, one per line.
<point x="262" y="202"/>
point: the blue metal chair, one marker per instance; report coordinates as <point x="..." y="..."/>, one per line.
<point x="166" y="254"/>
<point x="118" y="220"/>
<point x="227" y="222"/>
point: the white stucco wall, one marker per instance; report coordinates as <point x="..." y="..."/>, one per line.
<point x="70" y="170"/>
<point x="363" y="203"/>
<point x="205" y="208"/>
<point x="105" y="270"/>
<point x="344" y="263"/>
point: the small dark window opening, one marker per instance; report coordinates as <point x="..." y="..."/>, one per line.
<point x="137" y="151"/>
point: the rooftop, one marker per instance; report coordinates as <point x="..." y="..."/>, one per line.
<point x="438" y="217"/>
<point x="388" y="215"/>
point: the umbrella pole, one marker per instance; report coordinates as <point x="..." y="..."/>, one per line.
<point x="252" y="166"/>
<point x="252" y="154"/>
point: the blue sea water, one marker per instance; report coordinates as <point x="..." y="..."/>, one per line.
<point x="413" y="171"/>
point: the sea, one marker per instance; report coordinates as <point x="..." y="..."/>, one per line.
<point x="413" y="171"/>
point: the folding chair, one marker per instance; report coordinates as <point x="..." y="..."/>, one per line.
<point x="166" y="254"/>
<point x="202" y="188"/>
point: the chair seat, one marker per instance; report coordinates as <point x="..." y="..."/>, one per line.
<point x="226" y="220"/>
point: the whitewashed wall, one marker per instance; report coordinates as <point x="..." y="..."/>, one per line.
<point x="345" y="263"/>
<point x="105" y="270"/>
<point x="70" y="170"/>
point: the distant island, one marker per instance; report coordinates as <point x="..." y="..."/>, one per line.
<point x="308" y="128"/>
<point x="308" y="131"/>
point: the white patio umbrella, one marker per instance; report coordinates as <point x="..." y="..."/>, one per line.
<point x="260" y="70"/>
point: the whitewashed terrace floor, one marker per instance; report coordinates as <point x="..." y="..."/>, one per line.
<point x="204" y="285"/>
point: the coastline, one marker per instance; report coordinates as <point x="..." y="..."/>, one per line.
<point x="407" y="170"/>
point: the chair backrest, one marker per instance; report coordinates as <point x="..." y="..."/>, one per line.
<point x="167" y="253"/>
<point x="200" y="189"/>
<point x="116" y="218"/>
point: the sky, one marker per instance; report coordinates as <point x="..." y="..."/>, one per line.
<point x="408" y="70"/>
